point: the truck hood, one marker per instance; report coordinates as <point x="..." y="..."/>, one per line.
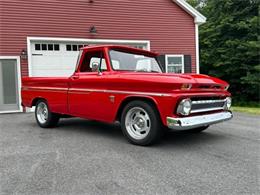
<point x="175" y="80"/>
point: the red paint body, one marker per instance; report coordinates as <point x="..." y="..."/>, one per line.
<point x="170" y="29"/>
<point x="88" y="94"/>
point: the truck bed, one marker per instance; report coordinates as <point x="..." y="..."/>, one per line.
<point x="54" y="89"/>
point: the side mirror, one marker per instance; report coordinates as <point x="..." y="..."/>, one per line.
<point x="94" y="67"/>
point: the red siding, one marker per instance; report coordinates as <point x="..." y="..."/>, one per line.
<point x="169" y="28"/>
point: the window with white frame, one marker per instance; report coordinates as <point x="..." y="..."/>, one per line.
<point x="174" y="63"/>
<point x="140" y="47"/>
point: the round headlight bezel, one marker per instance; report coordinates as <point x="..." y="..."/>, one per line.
<point x="184" y="107"/>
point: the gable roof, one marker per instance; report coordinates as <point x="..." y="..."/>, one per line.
<point x="198" y="17"/>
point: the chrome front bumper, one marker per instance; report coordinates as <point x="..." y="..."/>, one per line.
<point x="191" y="122"/>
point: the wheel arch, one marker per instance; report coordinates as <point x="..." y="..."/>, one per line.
<point x="36" y="99"/>
<point x="128" y="99"/>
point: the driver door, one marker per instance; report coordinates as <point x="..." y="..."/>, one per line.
<point x="86" y="85"/>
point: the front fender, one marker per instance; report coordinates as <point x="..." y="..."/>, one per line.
<point x="161" y="103"/>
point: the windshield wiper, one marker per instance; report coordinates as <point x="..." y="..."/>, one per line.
<point x="142" y="70"/>
<point x="145" y="70"/>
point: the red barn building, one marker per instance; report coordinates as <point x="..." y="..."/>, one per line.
<point x="42" y="37"/>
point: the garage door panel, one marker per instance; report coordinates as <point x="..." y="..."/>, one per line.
<point x="70" y="60"/>
<point x="57" y="58"/>
<point x="52" y="63"/>
<point x="47" y="61"/>
<point x="52" y="73"/>
<point x="53" y="68"/>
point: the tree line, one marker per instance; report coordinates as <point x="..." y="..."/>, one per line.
<point x="229" y="45"/>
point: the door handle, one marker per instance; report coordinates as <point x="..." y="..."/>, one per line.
<point x="74" y="77"/>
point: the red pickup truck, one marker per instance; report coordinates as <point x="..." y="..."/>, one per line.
<point x="117" y="83"/>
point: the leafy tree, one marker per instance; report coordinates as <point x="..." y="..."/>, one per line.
<point x="229" y="44"/>
<point x="198" y="4"/>
<point x="193" y="3"/>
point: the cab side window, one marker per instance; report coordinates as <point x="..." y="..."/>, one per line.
<point x="93" y="61"/>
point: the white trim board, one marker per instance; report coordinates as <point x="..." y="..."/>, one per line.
<point x="198" y="20"/>
<point x="93" y="41"/>
<point x="197" y="48"/>
<point x="198" y="17"/>
<point x="19" y="82"/>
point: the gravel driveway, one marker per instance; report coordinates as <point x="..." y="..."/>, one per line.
<point x="87" y="157"/>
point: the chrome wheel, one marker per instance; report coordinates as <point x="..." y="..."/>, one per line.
<point x="42" y="112"/>
<point x="138" y="123"/>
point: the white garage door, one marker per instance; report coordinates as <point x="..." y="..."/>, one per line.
<point x="53" y="58"/>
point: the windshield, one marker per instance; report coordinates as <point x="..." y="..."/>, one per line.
<point x="126" y="61"/>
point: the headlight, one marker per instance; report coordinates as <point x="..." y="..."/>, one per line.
<point x="228" y="103"/>
<point x="184" y="107"/>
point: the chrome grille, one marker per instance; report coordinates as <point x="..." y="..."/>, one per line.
<point x="207" y="105"/>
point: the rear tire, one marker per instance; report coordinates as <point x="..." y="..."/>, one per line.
<point x="141" y="123"/>
<point x="44" y="117"/>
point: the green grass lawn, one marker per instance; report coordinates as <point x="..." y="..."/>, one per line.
<point x="250" y="110"/>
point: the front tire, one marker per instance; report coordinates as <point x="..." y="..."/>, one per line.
<point x="44" y="117"/>
<point x="141" y="123"/>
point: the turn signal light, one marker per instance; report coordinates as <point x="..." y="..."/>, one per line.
<point x="226" y="87"/>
